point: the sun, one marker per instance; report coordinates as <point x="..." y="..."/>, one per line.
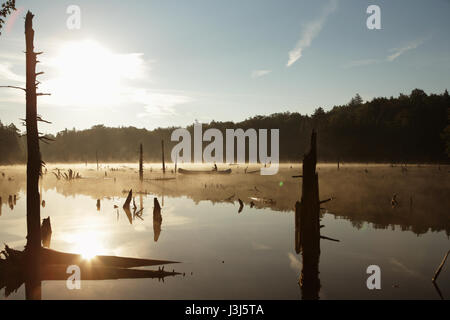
<point x="89" y="74"/>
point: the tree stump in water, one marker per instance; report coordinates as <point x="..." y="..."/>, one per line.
<point x="141" y="163"/>
<point x="46" y="232"/>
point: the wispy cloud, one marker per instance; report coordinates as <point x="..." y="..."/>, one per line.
<point x="6" y="74"/>
<point x="310" y="31"/>
<point x="397" y="52"/>
<point x="157" y="104"/>
<point x="260" y="73"/>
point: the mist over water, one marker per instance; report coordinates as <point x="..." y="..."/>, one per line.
<point x="226" y="254"/>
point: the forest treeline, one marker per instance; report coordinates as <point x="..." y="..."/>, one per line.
<point x="408" y="128"/>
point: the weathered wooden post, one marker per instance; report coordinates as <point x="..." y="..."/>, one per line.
<point x="141" y="163"/>
<point x="162" y="155"/>
<point x="176" y="161"/>
<point x="34" y="163"/>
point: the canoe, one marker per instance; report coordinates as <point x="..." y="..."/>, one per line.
<point x="228" y="171"/>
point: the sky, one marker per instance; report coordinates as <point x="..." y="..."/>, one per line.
<point x="159" y="63"/>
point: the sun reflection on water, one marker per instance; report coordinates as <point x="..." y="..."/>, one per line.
<point x="88" y="243"/>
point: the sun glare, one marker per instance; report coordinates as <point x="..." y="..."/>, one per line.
<point x="87" y="243"/>
<point x="88" y="74"/>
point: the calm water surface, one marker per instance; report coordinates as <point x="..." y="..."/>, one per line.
<point x="226" y="255"/>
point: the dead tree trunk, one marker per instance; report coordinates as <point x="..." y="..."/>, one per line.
<point x="162" y="155"/>
<point x="307" y="225"/>
<point x="141" y="163"/>
<point x="176" y="161"/>
<point x="33" y="246"/>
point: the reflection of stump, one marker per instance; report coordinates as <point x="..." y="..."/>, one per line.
<point x="157" y="219"/>
<point x="298" y="239"/>
<point x="46" y="232"/>
<point x="307" y="226"/>
<point x="126" y="206"/>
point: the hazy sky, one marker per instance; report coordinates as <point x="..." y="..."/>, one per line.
<point x="167" y="63"/>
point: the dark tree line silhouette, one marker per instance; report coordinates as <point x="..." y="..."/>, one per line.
<point x="11" y="149"/>
<point x="408" y="128"/>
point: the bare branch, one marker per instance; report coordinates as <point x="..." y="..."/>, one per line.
<point x="39" y="118"/>
<point x="328" y="238"/>
<point x="46" y="139"/>
<point x="436" y="274"/>
<point x="327" y="200"/>
<point x="14" y="87"/>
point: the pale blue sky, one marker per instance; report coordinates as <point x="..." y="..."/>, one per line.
<point x="224" y="60"/>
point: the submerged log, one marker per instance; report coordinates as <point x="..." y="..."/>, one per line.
<point x="13" y="269"/>
<point x="53" y="257"/>
<point x="90" y="272"/>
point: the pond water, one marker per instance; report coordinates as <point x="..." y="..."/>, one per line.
<point x="227" y="254"/>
